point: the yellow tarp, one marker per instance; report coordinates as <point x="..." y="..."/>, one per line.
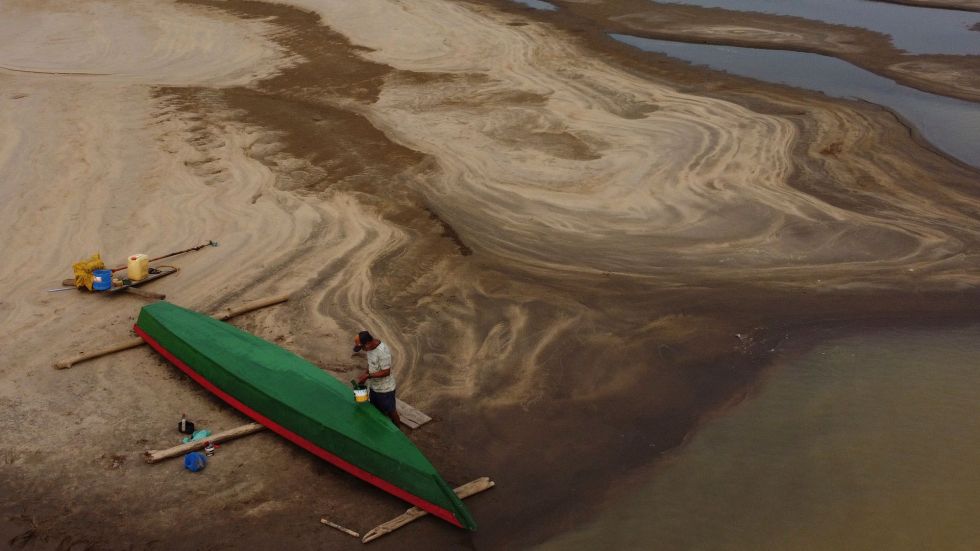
<point x="83" y="271"/>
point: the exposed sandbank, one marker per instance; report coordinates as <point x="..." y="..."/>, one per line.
<point x="541" y="223"/>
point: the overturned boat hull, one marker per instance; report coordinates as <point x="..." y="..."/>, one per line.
<point x="299" y="401"/>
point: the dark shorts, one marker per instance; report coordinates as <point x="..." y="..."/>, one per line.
<point x="384" y="401"/>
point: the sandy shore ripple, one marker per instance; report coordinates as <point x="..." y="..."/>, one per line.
<point x="542" y="226"/>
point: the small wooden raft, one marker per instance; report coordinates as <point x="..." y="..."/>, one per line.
<point x="144" y="293"/>
<point x="464" y="491"/>
<point x="161" y="272"/>
<point x="131" y="287"/>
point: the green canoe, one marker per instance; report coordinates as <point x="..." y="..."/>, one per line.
<point x="298" y="400"/>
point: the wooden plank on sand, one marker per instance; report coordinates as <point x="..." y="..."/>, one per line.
<point x="85" y="356"/>
<point x="410" y="416"/>
<point x="229" y="313"/>
<point x="339" y="527"/>
<point x="144" y="293"/>
<point x="133" y="343"/>
<point x="464" y="491"/>
<point x="154" y="456"/>
<point x="413" y="419"/>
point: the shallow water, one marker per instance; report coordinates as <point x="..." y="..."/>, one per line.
<point x="538" y="4"/>
<point x="914" y="29"/>
<point x="864" y="442"/>
<point x="951" y="125"/>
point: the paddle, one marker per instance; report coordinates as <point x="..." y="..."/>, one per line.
<point x="197" y="248"/>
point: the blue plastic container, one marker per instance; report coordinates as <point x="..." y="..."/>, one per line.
<point x="195" y="461"/>
<point x="103" y="280"/>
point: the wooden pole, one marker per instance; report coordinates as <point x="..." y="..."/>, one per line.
<point x="339" y="527"/>
<point x="168" y="255"/>
<point x="86" y="356"/>
<point x="145" y="294"/>
<point x="155" y="456"/>
<point x="134" y="290"/>
<point x="464" y="491"/>
<point x="248" y="307"/>
<point x="133" y="343"/>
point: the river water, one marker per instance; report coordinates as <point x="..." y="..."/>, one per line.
<point x="951" y="125"/>
<point x="863" y="442"/>
<point x="914" y="29"/>
<point x="538" y="4"/>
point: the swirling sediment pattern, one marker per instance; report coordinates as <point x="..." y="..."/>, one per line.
<point x="569" y="253"/>
<point x="550" y="156"/>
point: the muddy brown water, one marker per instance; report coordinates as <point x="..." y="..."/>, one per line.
<point x="868" y="441"/>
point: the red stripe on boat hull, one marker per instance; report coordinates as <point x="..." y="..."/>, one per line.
<point x="430" y="507"/>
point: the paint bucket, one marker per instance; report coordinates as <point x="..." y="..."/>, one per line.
<point x="103" y="280"/>
<point x="361" y="395"/>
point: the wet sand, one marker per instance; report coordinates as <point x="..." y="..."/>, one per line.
<point x="576" y="250"/>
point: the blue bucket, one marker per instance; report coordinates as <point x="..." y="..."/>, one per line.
<point x="103" y="280"/>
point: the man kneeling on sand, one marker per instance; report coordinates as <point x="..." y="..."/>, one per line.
<point x="380" y="380"/>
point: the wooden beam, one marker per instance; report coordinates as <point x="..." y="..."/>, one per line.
<point x="133" y="343"/>
<point x="86" y="356"/>
<point x="248" y="307"/>
<point x="464" y="491"/>
<point x="339" y="527"/>
<point x="155" y="456"/>
<point x="144" y="293"/>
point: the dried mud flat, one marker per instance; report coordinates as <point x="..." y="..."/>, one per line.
<point x="575" y="250"/>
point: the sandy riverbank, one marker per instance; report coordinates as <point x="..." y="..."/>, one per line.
<point x="541" y="224"/>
